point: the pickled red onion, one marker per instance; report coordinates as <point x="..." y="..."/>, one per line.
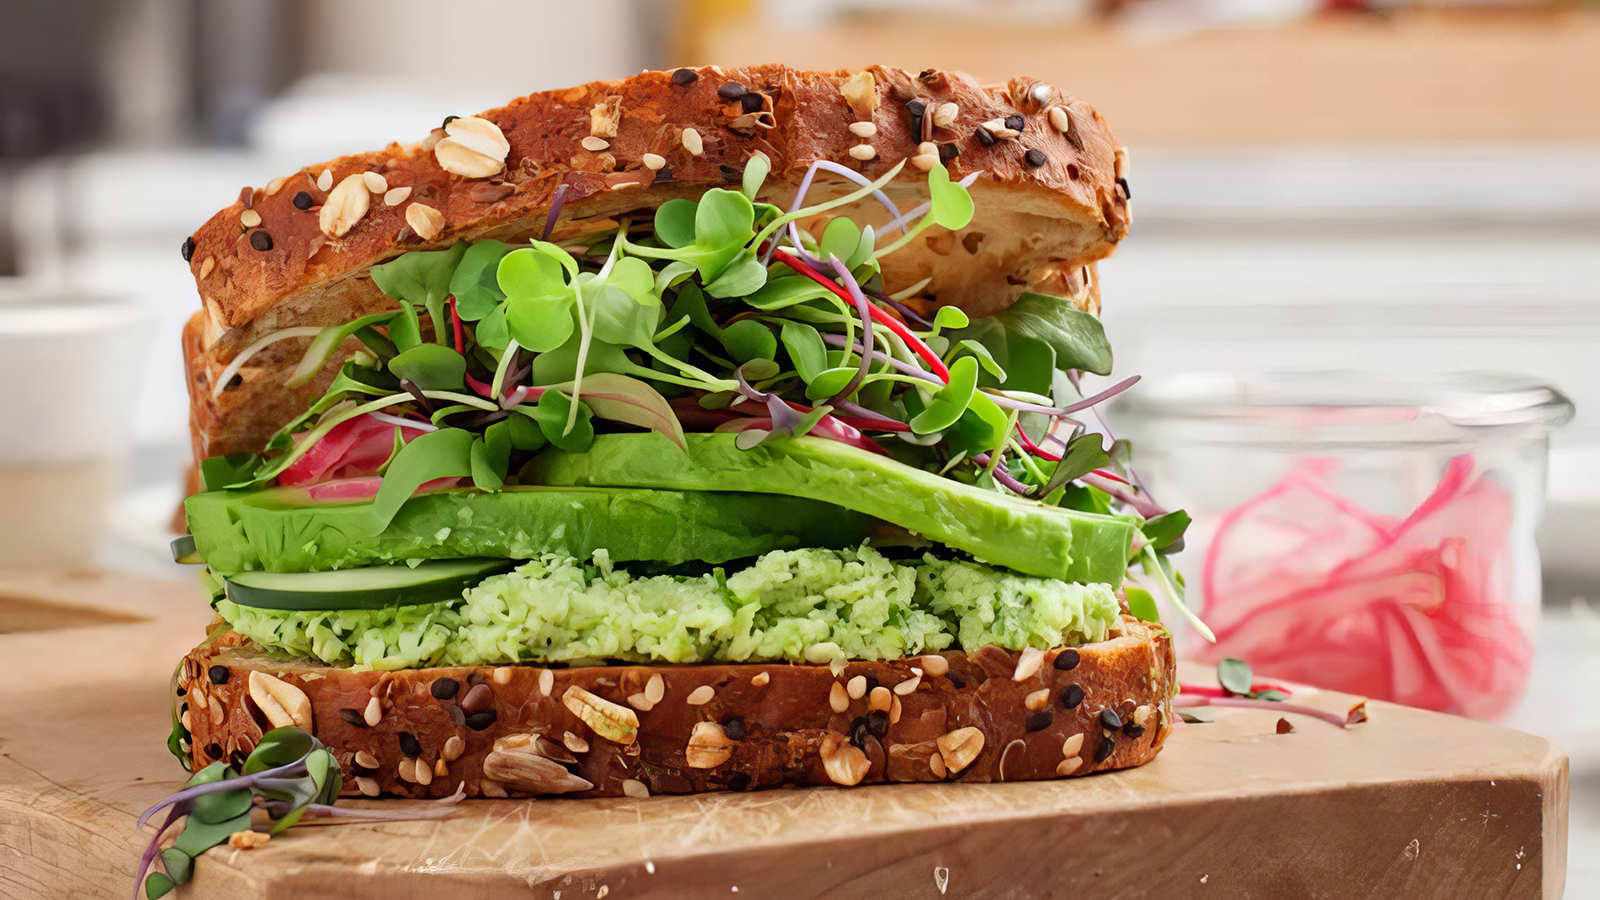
<point x="1308" y="586"/>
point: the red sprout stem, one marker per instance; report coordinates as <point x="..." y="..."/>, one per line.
<point x="878" y="315"/>
<point x="455" y="321"/>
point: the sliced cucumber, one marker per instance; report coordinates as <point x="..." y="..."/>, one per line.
<point x="373" y="587"/>
<point x="184" y="552"/>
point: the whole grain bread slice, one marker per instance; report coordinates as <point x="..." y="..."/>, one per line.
<point x="1051" y="200"/>
<point x="607" y="731"/>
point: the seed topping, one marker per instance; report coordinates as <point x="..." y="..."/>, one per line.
<point x="594" y="144"/>
<point x="345" y="206"/>
<point x="1109" y="720"/>
<point x="856" y="687"/>
<point x="863" y="129"/>
<point x="880" y="698"/>
<point x="547" y="681"/>
<point x="373" y="714"/>
<point x="844" y="763"/>
<point x="302" y="200"/>
<point x="426" y="221"/>
<point x="692" y="142"/>
<point x="960" y="747"/>
<point x="983" y="136"/>
<point x="375" y="182"/>
<point x="685" y="77"/>
<point x="839" y="698"/>
<point x="281" y="702"/>
<point x="1038" y="721"/>
<point x="1016" y="122"/>
<point x="1106" y="748"/>
<point x="188" y="254"/>
<point x="396" y="196"/>
<point x="1066" y="660"/>
<point x="1072" y="696"/>
<point x="935" y="665"/>
<point x="1028" y="663"/>
<point x="733" y="90"/>
<point x="444" y="688"/>
<point x="632" y="787"/>
<point x="1037" y="700"/>
<point x="863" y="152"/>
<point x="478" y="699"/>
<point x="927" y="156"/>
<point x="861" y="92"/>
<point x="653" y="161"/>
<point x="1035" y="158"/>
<point x="1069" y="765"/>
<point x="708" y="747"/>
<point x="474" y="148"/>
<point x="453" y="747"/>
<point x="910" y="684"/>
<point x="761" y="679"/>
<point x="609" y="720"/>
<point x="219" y="674"/>
<point x="944" y="115"/>
<point x="325" y="180"/>
<point x="702" y="695"/>
<point x="250" y="218"/>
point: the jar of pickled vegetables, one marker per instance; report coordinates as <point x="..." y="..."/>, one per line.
<point x="1364" y="535"/>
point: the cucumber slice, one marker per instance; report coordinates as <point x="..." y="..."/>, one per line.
<point x="184" y="551"/>
<point x="373" y="587"/>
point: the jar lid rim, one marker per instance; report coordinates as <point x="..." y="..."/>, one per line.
<point x="1466" y="399"/>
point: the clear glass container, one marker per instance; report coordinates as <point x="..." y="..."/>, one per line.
<point x="1367" y="535"/>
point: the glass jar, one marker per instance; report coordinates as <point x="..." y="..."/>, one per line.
<point x="1367" y="535"/>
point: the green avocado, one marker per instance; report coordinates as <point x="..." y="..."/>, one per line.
<point x="999" y="529"/>
<point x="278" y="530"/>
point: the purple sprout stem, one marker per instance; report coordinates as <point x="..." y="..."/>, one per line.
<point x="1005" y="402"/>
<point x="904" y="368"/>
<point x="1136" y="498"/>
<point x="556" y="202"/>
<point x="864" y="310"/>
<point x="1333" y="718"/>
<point x="227" y="784"/>
<point x="151" y="850"/>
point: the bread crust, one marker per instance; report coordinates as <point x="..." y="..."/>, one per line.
<point x="778" y="723"/>
<point x="1048" y="203"/>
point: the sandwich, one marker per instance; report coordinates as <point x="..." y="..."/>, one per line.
<point x="711" y="429"/>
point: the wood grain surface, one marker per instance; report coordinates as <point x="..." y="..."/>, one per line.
<point x="1410" y="804"/>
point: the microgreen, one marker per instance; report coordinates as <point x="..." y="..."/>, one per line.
<point x="289" y="776"/>
<point x="421" y="278"/>
<point x="1077" y="339"/>
<point x="1235" y="677"/>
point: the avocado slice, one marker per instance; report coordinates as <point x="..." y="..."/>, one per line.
<point x="372" y="587"/>
<point x="279" y="530"/>
<point x="1000" y="529"/>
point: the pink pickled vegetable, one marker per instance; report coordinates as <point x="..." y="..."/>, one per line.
<point x="1310" y="587"/>
<point x="366" y="487"/>
<point x="353" y="448"/>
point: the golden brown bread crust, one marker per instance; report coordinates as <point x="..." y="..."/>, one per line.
<point x="778" y="723"/>
<point x="1048" y="204"/>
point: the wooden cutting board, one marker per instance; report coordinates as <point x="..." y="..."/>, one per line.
<point x="1410" y="804"/>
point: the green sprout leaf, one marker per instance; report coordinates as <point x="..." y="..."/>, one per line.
<point x="785" y="291"/>
<point x="405" y="329"/>
<point x="806" y="350"/>
<point x="539" y="295"/>
<point x="421" y="278"/>
<point x="1142" y="604"/>
<point x="476" y="284"/>
<point x="675" y="222"/>
<point x="432" y="367"/>
<point x="748" y="339"/>
<point x="623" y="399"/>
<point x="233" y="470"/>
<point x="1083" y="455"/>
<point x="950" y="401"/>
<point x="1235" y="677"/>
<point x="446" y="453"/>
<point x="755" y="172"/>
<point x="552" y="413"/>
<point x="278" y="747"/>
<point x="157" y="885"/>
<point x="323" y="346"/>
<point x="1077" y="338"/>
<point x="952" y="204"/>
<point x="1164" y="531"/>
<point x="744" y="275"/>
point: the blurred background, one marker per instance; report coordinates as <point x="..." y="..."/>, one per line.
<point x="1399" y="187"/>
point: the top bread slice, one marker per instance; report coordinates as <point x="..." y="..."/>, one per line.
<point x="1051" y="199"/>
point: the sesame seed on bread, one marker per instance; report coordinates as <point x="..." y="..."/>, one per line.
<point x="297" y="252"/>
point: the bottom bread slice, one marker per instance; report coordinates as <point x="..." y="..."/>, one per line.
<point x="633" y="730"/>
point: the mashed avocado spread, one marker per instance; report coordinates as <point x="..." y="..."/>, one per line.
<point x="812" y="606"/>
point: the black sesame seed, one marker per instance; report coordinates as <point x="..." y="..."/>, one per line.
<point x="1109" y="719"/>
<point x="363" y="771"/>
<point x="457" y="715"/>
<point x="1072" y="696"/>
<point x="733" y="90"/>
<point x="219" y="674"/>
<point x="751" y="102"/>
<point x="685" y="76"/>
<point x="1035" y="158"/>
<point x="214" y="750"/>
<point x="353" y="718"/>
<point x="302" y="200"/>
<point x="858" y="731"/>
<point x="447" y="121"/>
<point x="1133" y="731"/>
<point x="444" y="688"/>
<point x="1016" y="122"/>
<point x="1106" y="748"/>
<point x="183" y="707"/>
<point x="261" y="240"/>
<point x="878" y="723"/>
<point x="1067" y="660"/>
<point x="237" y="759"/>
<point x="478" y="721"/>
<point x="1127" y="192"/>
<point x="872" y="683"/>
<point x="731" y="175"/>
<point x="739" y="781"/>
<point x="733" y="727"/>
<point x="948" y="152"/>
<point x="182" y="691"/>
<point x="984" y="137"/>
<point x="956" y="678"/>
<point x="1038" y="721"/>
<point x="188" y="249"/>
<point x="409" y="745"/>
<point x="917" y="107"/>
